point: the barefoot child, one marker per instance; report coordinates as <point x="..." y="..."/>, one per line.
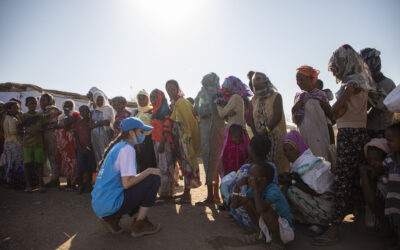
<point x="86" y="162"/>
<point x="33" y="124"/>
<point x="374" y="181"/>
<point x="392" y="166"/>
<point x="267" y="206"/>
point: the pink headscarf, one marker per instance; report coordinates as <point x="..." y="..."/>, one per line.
<point x="380" y="143"/>
<point x="294" y="138"/>
<point x="180" y="93"/>
<point x="234" y="156"/>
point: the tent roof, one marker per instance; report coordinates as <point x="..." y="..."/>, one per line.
<point x="19" y="87"/>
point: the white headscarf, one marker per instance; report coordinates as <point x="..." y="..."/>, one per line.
<point x="106" y="109"/>
<point x="62" y="116"/>
<point x="93" y="90"/>
<point x="96" y="89"/>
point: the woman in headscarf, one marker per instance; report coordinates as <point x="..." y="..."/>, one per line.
<point x="189" y="138"/>
<point x="51" y="113"/>
<point x="310" y="112"/>
<point x="231" y="100"/>
<point x="308" y="187"/>
<point x="163" y="143"/>
<point x="119" y="104"/>
<point x="269" y="118"/>
<point x="66" y="145"/>
<point x="145" y="155"/>
<point x="350" y="113"/>
<point x="379" y="118"/>
<point x="211" y="127"/>
<point x="102" y="119"/>
<point x="90" y="95"/>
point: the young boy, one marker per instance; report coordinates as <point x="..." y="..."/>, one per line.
<point x="373" y="181"/>
<point x="86" y="162"/>
<point x="32" y="124"/>
<point x="392" y="166"/>
<point x="267" y="206"/>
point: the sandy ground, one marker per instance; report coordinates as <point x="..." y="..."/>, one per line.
<point x="64" y="220"/>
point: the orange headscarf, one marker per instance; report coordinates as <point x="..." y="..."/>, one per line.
<point x="309" y="71"/>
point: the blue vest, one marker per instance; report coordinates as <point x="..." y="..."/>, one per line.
<point x="108" y="192"/>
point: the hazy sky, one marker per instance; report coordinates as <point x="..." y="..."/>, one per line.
<point x="123" y="46"/>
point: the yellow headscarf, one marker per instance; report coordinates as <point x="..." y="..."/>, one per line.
<point x="143" y="112"/>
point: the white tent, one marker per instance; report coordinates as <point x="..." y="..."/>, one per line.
<point x="21" y="91"/>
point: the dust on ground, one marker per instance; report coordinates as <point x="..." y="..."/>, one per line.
<point x="65" y="220"/>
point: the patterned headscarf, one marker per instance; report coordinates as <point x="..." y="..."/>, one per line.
<point x="259" y="77"/>
<point x="236" y="86"/>
<point x="350" y="69"/>
<point x="309" y="71"/>
<point x="294" y="138"/>
<point x="203" y="102"/>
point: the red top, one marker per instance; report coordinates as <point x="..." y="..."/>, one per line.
<point x="82" y="130"/>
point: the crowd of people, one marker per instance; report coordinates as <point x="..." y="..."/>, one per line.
<point x="269" y="179"/>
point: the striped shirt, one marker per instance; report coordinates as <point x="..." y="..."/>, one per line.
<point x="392" y="203"/>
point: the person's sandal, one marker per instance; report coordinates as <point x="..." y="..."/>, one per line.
<point x="28" y="190"/>
<point x="144" y="227"/>
<point x="112" y="225"/>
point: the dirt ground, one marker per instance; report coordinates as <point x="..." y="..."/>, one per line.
<point x="64" y="220"/>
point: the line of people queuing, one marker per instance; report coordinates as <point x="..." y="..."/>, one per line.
<point x="268" y="179"/>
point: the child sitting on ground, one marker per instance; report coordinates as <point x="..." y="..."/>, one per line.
<point x="33" y="124"/>
<point x="392" y="165"/>
<point x="374" y="181"/>
<point x="267" y="206"/>
<point x="258" y="149"/>
<point x="86" y="162"/>
<point x="234" y="152"/>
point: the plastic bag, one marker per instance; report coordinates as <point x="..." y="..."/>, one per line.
<point x="392" y="100"/>
<point x="314" y="171"/>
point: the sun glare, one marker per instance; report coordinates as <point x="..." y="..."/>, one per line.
<point x="169" y="14"/>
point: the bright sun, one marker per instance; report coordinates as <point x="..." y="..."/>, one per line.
<point x="169" y="14"/>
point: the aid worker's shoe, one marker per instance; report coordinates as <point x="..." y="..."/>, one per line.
<point x="144" y="227"/>
<point x="112" y="225"/>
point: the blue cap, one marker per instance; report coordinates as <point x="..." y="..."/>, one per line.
<point x="132" y="123"/>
